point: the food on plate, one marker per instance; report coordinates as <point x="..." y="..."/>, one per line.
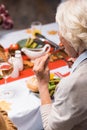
<point x="30" y="43"/>
<point x="53" y="58"/>
<point x="52" y="32"/>
<point x="52" y="84"/>
<point x="27" y="64"/>
<point x="3" y="53"/>
<point x="1" y="48"/>
<point x="33" y="43"/>
<point x="32" y="84"/>
<point x="1" y="76"/>
<point x="14" y="47"/>
<point x="60" y="55"/>
<point x="5" y="105"/>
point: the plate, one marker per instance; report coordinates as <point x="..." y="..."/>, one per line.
<point x="22" y="42"/>
<point x="32" y="84"/>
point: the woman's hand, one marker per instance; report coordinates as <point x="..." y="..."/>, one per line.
<point x="70" y="62"/>
<point x="41" y="69"/>
<point x="42" y="73"/>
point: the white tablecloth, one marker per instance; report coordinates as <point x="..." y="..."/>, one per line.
<point x="14" y="37"/>
<point x="24" y="108"/>
<point x="25" y="105"/>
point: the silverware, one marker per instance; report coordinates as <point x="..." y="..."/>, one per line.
<point x="44" y="39"/>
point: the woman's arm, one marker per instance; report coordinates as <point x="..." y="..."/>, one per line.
<point x="42" y="73"/>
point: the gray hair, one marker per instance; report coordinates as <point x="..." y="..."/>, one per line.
<point x="71" y="17"/>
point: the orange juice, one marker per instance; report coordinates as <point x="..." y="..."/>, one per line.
<point x="36" y="27"/>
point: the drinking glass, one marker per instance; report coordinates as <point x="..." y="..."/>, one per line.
<point x="36" y="27"/>
<point x="6" y="69"/>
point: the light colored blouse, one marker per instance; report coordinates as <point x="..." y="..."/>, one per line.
<point x="69" y="109"/>
<point x="82" y="57"/>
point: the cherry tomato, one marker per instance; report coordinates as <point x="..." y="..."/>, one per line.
<point x="14" y="47"/>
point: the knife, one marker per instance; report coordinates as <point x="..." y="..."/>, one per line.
<point x="44" y="39"/>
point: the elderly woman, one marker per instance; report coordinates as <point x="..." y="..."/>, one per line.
<point x="69" y="109"/>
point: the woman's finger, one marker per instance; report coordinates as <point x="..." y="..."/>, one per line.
<point x="41" y="62"/>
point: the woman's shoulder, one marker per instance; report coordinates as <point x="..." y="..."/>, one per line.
<point x="73" y="87"/>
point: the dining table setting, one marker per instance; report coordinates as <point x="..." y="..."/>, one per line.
<point x="17" y="93"/>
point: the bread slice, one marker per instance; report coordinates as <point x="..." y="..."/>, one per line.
<point x="32" y="84"/>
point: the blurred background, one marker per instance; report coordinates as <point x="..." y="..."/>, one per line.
<point x="24" y="12"/>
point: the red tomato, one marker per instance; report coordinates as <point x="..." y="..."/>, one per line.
<point x="14" y="47"/>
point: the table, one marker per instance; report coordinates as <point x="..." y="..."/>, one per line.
<point x="15" y="36"/>
<point x="24" y="109"/>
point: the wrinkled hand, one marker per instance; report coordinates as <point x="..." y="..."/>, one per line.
<point x="42" y="73"/>
<point x="41" y="70"/>
<point x="70" y="62"/>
